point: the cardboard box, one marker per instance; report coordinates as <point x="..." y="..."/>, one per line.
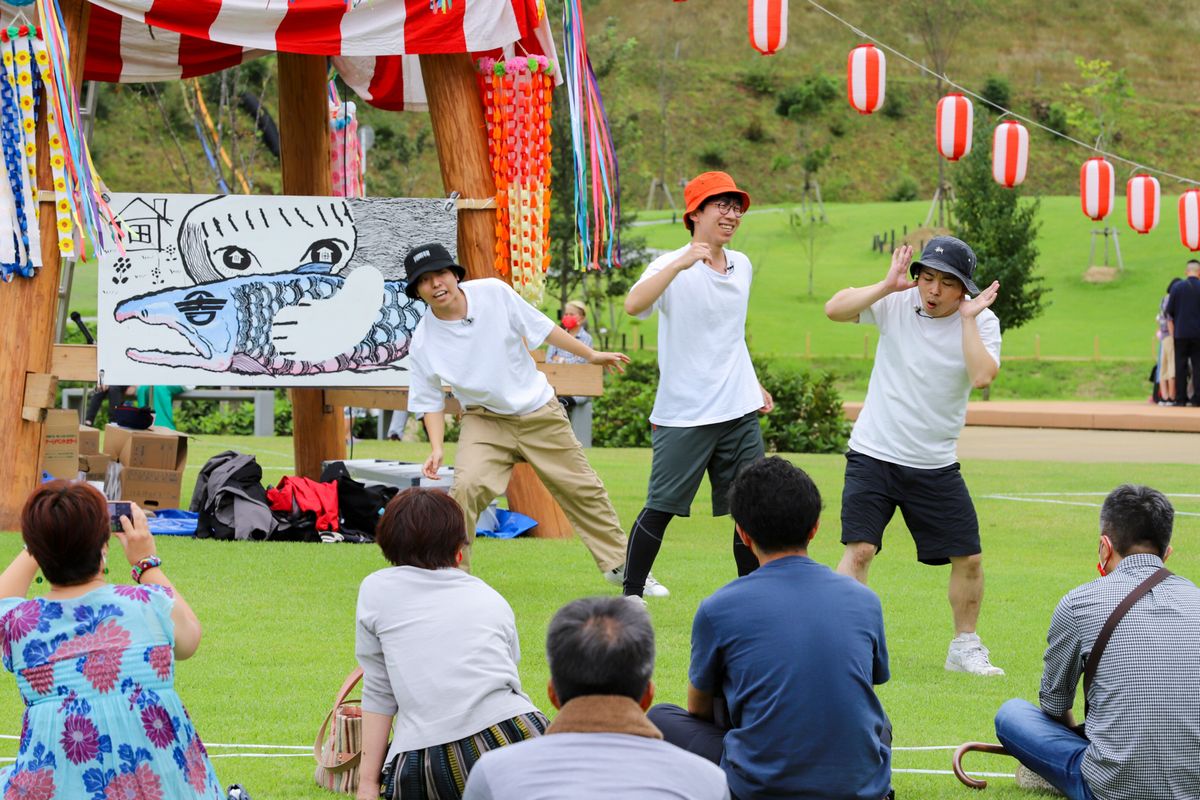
<point x="152" y="489"/>
<point x="153" y="448"/>
<point x="145" y="467"/>
<point x="89" y="440"/>
<point x="93" y="466"/>
<point x="60" y="443"/>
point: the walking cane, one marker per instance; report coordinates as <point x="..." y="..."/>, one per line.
<point x="981" y="747"/>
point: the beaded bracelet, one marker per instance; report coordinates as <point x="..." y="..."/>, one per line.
<point x="140" y="567"/>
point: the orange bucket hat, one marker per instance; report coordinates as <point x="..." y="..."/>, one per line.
<point x="706" y="185"/>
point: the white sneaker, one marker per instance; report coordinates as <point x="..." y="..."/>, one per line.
<point x="1029" y="780"/>
<point x="636" y="599"/>
<point x="653" y="587"/>
<point x="967" y="654"/>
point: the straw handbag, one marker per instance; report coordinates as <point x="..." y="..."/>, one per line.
<point x="338" y="747"/>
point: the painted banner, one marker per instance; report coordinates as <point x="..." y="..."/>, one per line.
<point x="265" y="291"/>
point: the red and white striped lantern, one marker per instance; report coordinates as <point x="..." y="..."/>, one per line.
<point x="866" y="78"/>
<point x="1096" y="188"/>
<point x="1010" y="153"/>
<point x="768" y="25"/>
<point x="955" y="121"/>
<point x="1189" y="219"/>
<point x="1141" y="203"/>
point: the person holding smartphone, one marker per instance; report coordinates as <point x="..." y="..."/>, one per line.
<point x="95" y="661"/>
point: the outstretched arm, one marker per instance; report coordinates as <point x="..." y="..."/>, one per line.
<point x="564" y="341"/>
<point x="646" y="292"/>
<point x="846" y="305"/>
<point x="980" y="365"/>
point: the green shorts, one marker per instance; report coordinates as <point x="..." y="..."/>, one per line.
<point x="683" y="455"/>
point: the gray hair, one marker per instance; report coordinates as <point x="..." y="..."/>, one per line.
<point x="600" y="645"/>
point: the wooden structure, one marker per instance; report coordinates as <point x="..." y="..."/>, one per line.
<point x="28" y="378"/>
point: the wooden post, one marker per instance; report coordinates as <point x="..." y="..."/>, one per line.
<point x="460" y="134"/>
<point x="27" y="314"/>
<point x="317" y="428"/>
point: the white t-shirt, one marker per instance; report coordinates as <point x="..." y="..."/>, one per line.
<point x="484" y="357"/>
<point x="704" y="369"/>
<point x="439" y="650"/>
<point x="917" y="398"/>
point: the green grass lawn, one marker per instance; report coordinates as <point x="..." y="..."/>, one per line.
<point x="278" y="618"/>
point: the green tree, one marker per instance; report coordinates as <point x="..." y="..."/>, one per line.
<point x="1002" y="229"/>
<point x="1096" y="107"/>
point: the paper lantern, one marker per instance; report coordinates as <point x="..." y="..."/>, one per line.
<point x="1010" y="153"/>
<point x="1141" y="203"/>
<point x="866" y="77"/>
<point x="1189" y="219"/>
<point x="1096" y="188"/>
<point x="955" y="118"/>
<point x="768" y="25"/>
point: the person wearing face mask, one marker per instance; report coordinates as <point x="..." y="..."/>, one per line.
<point x="1133" y="635"/>
<point x="579" y="407"/>
<point x="937" y="340"/>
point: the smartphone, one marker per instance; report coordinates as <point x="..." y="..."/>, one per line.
<point x="116" y="510"/>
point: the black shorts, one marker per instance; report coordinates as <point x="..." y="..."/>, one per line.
<point x="935" y="503"/>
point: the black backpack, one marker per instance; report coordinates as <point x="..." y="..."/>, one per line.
<point x="359" y="506"/>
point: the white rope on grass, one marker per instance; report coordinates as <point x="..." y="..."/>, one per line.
<point x="264" y="755"/>
<point x="308" y="747"/>
<point x="1016" y="499"/>
<point x="951" y="772"/>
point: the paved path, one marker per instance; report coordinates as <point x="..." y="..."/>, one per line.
<point x="1088" y="446"/>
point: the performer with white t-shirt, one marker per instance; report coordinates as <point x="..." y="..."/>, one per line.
<point x="475" y="340"/>
<point x="705" y="414"/>
<point x="937" y="340"/>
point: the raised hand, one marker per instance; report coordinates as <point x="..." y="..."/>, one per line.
<point x="135" y="536"/>
<point x="971" y="308"/>
<point x="696" y="251"/>
<point x="898" y="279"/>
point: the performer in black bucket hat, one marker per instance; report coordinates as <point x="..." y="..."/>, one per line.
<point x="947" y="254"/>
<point x="428" y="258"/>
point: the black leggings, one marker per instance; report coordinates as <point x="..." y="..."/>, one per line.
<point x="645" y="539"/>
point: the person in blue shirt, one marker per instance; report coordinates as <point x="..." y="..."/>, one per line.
<point x="785" y="660"/>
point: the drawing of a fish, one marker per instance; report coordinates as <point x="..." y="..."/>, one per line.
<point x="229" y="323"/>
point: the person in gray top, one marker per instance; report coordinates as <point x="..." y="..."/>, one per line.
<point x="600" y="651"/>
<point x="1142" y="736"/>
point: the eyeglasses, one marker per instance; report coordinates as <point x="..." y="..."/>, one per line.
<point x="730" y="207"/>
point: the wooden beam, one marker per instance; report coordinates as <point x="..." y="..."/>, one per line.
<point x="460" y="134"/>
<point x="74" y="362"/>
<point x="27" y="315"/>
<point x="318" y="429"/>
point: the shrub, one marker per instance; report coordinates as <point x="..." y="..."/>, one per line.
<point x="837" y="128"/>
<point x="904" y="189"/>
<point x="996" y="93"/>
<point x="712" y="157"/>
<point x="807" y="418"/>
<point x="895" y="106"/>
<point x="760" y="81"/>
<point x="755" y="132"/>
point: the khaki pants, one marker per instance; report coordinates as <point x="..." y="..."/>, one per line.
<point x="488" y="446"/>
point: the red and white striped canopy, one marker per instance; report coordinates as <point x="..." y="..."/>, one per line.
<point x="374" y="43"/>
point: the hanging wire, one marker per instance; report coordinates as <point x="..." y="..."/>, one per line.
<point x="1136" y="165"/>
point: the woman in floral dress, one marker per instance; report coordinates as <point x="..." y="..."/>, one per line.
<point x="95" y="661"/>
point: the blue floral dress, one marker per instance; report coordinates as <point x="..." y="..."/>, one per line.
<point x="102" y="719"/>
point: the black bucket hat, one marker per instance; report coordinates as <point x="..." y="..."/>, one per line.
<point x="427" y="258"/>
<point x="947" y="254"/>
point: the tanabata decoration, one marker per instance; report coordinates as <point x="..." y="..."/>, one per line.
<point x="768" y="25"/>
<point x="955" y="121"/>
<point x="1010" y="153"/>
<point x="1141" y="203"/>
<point x="1096" y="188"/>
<point x="866" y="78"/>
<point x="517" y="108"/>
<point x="1189" y="219"/>
<point x="597" y="182"/>
<point x="347" y="167"/>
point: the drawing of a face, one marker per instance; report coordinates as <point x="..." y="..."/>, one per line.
<point x="224" y="238"/>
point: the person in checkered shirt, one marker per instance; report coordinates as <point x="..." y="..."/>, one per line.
<point x="1142" y="738"/>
